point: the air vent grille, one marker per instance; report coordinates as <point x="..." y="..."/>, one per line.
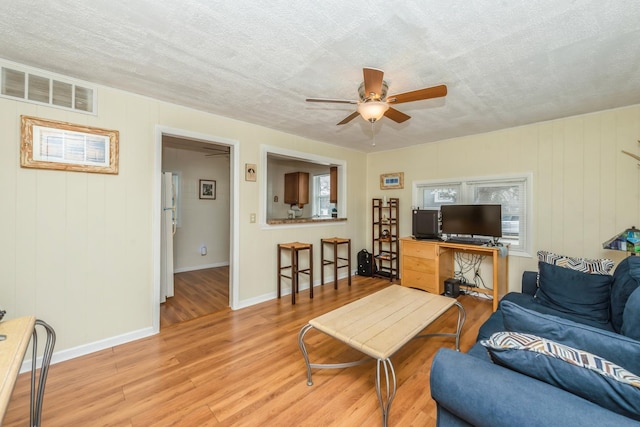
<point x="45" y="88"/>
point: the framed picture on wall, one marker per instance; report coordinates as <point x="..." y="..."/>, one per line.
<point x="50" y="144"/>
<point x="392" y="180"/>
<point x="207" y="189"/>
<point x="249" y="172"/>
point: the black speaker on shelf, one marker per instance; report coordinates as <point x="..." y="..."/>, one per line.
<point x="452" y="288"/>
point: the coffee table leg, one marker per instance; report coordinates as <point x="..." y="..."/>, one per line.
<point x="303" y="349"/>
<point x="390" y="383"/>
<point x="462" y="316"/>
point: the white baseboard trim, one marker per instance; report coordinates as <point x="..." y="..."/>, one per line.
<point x="82" y="350"/>
<point x="200" y="267"/>
<point x="72" y="353"/>
<point x="256" y="300"/>
<point x="268" y="297"/>
<point x="285" y="291"/>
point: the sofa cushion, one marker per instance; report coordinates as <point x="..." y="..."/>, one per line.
<point x="631" y="318"/>
<point x="580" y="294"/>
<point x="626" y="279"/>
<point x="585" y="265"/>
<point x="492" y="324"/>
<point x="617" y="348"/>
<point x="532" y="303"/>
<point x="479" y="352"/>
<point x="576" y="371"/>
<point x="493" y="396"/>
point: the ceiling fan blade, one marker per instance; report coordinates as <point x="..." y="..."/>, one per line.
<point x="338" y="101"/>
<point x="349" y="118"/>
<point x="396" y="116"/>
<point x="417" y="95"/>
<point x="221" y="150"/>
<point x="372" y="82"/>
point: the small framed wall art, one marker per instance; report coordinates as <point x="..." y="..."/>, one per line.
<point x="249" y="172"/>
<point x="390" y="181"/>
<point x="207" y="189"/>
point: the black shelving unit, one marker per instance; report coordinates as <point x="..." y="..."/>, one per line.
<point x="385" y="240"/>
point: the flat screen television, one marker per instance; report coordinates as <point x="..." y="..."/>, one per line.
<point x="475" y="220"/>
<point x="426" y="224"/>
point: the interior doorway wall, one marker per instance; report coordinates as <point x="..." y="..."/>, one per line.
<point x="218" y="151"/>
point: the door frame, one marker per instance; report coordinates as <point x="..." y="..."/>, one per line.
<point x="234" y="205"/>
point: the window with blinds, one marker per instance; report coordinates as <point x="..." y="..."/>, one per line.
<point x="64" y="146"/>
<point x="511" y="192"/>
<point x="321" y="190"/>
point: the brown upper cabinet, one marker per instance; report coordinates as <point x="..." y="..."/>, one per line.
<point x="296" y="188"/>
<point x="333" y="182"/>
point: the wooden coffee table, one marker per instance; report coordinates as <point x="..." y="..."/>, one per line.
<point x="379" y="325"/>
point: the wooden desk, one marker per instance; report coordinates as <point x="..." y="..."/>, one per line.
<point x="19" y="333"/>
<point x="426" y="264"/>
<point x="12" y="350"/>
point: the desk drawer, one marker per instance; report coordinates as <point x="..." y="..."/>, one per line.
<point x="420" y="280"/>
<point x="423" y="265"/>
<point x="420" y="249"/>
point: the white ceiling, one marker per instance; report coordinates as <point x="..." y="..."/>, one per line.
<point x="506" y="63"/>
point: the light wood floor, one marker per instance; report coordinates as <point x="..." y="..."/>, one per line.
<point x="197" y="293"/>
<point x="243" y="368"/>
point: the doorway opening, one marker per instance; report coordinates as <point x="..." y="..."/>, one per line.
<point x="197" y="230"/>
<point x="197" y="293"/>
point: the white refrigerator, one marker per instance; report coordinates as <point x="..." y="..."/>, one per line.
<point x="168" y="230"/>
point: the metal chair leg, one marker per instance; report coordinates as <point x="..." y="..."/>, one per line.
<point x="37" y="395"/>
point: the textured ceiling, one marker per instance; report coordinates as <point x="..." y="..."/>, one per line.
<point x="506" y="63"/>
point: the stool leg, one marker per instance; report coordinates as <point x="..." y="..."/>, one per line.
<point x="335" y="265"/>
<point x="349" y="260"/>
<point x="279" y="269"/>
<point x="294" y="275"/>
<point x="311" y="271"/>
<point x="321" y="262"/>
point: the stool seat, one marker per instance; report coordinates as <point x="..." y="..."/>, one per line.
<point x="294" y="248"/>
<point x="335" y="242"/>
<point x="295" y="245"/>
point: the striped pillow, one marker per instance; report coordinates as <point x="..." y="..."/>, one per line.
<point x="576" y="371"/>
<point x="585" y="265"/>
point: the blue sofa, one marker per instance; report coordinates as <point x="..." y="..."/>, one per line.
<point x="504" y="385"/>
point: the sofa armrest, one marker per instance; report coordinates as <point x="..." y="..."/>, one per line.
<point x="529" y="282"/>
<point x="484" y="394"/>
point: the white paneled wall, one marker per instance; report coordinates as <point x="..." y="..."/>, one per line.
<point x="584" y="189"/>
<point x="77" y="249"/>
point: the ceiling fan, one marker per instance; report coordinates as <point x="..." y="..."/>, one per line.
<point x="217" y="151"/>
<point x="374" y="102"/>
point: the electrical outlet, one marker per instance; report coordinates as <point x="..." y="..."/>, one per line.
<point x="252" y="218"/>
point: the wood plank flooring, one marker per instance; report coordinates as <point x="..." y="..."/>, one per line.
<point x="197" y="293"/>
<point x="243" y="368"/>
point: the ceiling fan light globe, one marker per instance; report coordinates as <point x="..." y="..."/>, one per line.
<point x="373" y="110"/>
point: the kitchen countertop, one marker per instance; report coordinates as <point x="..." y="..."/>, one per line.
<point x="277" y="221"/>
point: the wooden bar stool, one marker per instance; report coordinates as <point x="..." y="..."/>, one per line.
<point x="294" y="248"/>
<point x="335" y="242"/>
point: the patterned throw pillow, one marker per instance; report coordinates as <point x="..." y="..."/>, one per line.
<point x="616" y="348"/>
<point x="585" y="265"/>
<point x="576" y="371"/>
